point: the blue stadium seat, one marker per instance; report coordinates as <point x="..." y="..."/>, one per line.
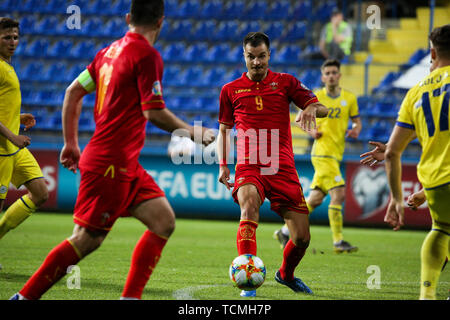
<point x="93" y="27"/>
<point x="246" y="27"/>
<point x="55" y="120"/>
<point x="83" y="50"/>
<point x="189" y="9"/>
<point x="226" y="31"/>
<point x="211" y="9"/>
<point x="380" y="131"/>
<point x="7" y="5"/>
<point x="99" y="7"/>
<point x="235" y="55"/>
<point x="41" y="116"/>
<point x="364" y="105"/>
<point x="193" y="76"/>
<point x="210" y="104"/>
<point x="278" y="10"/>
<point x="120" y="7"/>
<point x="218" y="53"/>
<point x="47" y="26"/>
<point x="179" y="30"/>
<point x="28" y="6"/>
<point x="288" y="55"/>
<point x="256" y="10"/>
<point x="173" y="102"/>
<point x="50" y="98"/>
<point x="28" y="23"/>
<point x="274" y="29"/>
<point x="55" y="7"/>
<point x="56" y="72"/>
<point x="60" y="49"/>
<point x="37" y="49"/>
<point x="171" y="8"/>
<point x="302" y="10"/>
<point x="173" y="52"/>
<point x="214" y="76"/>
<point x="115" y="27"/>
<point x="196" y="52"/>
<point x="74" y="71"/>
<point x="172" y="76"/>
<point x="311" y="78"/>
<point x="234" y="9"/>
<point x="86" y="122"/>
<point x="233" y="75"/>
<point x="89" y="100"/>
<point x="203" y="31"/>
<point x="322" y="12"/>
<point x="20" y="50"/>
<point x="295" y="31"/>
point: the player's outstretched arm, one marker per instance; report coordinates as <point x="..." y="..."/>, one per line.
<point x="166" y="120"/>
<point x="397" y="144"/>
<point x="73" y="98"/>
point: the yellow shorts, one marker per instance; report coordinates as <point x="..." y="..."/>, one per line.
<point x="327" y="174"/>
<point x="17" y="169"/>
<point x="439" y="204"/>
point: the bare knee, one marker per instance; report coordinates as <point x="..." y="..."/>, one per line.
<point x="86" y="241"/>
<point x="38" y="191"/>
<point x="302" y="240"/>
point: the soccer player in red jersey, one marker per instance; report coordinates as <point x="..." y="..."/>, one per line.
<point x="258" y="105"/>
<point x="127" y="78"/>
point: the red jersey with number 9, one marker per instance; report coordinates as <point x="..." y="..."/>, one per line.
<point x="261" y="113"/>
<point x="128" y="76"/>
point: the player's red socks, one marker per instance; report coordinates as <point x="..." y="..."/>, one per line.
<point x="145" y="257"/>
<point x="52" y="269"/>
<point x="292" y="255"/>
<point x="246" y="237"/>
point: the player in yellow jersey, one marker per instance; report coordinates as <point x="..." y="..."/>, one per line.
<point x="17" y="164"/>
<point x="424" y="114"/>
<point x="328" y="150"/>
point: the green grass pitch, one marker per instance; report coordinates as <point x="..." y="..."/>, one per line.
<point x="194" y="264"/>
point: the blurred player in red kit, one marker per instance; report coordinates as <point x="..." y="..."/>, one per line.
<point x="258" y="105"/>
<point x="127" y="79"/>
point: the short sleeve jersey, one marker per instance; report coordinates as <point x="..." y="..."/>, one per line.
<point x="261" y="113"/>
<point x="10" y="101"/>
<point x="127" y="76"/>
<point x="334" y="126"/>
<point x="425" y="109"/>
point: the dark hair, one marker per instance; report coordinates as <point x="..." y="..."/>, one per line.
<point x="331" y="63"/>
<point x="256" y="38"/>
<point x="7" y="23"/>
<point x="440" y="38"/>
<point x="146" y="12"/>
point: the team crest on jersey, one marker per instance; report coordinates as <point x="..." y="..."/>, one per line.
<point x="274" y="85"/>
<point x="3" y="189"/>
<point x="343" y="103"/>
<point x="157" y="91"/>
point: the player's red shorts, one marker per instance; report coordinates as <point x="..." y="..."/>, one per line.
<point x="283" y="189"/>
<point x="103" y="199"/>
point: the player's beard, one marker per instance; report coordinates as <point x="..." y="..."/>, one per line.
<point x="258" y="73"/>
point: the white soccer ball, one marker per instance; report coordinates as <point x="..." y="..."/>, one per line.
<point x="247" y="272"/>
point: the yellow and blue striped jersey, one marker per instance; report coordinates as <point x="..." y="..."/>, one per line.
<point x="334" y="126"/>
<point x="10" y="101"/>
<point x="425" y="109"/>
